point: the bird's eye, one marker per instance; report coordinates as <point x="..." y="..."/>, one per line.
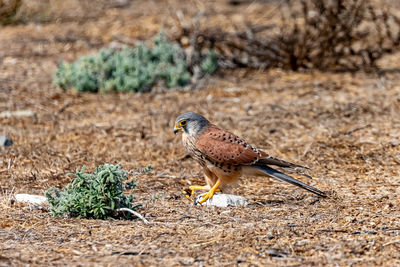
<point x="182" y="123"/>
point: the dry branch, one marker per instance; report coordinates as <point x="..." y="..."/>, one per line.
<point x="137" y="214"/>
<point x="313" y="34"/>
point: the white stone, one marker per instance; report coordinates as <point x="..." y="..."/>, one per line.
<point x="223" y="200"/>
<point x="33" y="200"/>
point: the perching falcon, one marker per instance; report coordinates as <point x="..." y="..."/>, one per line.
<point x="225" y="157"/>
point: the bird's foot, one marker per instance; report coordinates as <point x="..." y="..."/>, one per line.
<point x="190" y="192"/>
<point x="208" y="195"/>
<point x="194" y="188"/>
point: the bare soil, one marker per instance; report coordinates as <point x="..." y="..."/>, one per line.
<point x="344" y="126"/>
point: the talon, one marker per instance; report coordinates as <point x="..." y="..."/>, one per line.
<point x="187" y="193"/>
<point x="210" y="193"/>
<point x="206" y="196"/>
<point x="194" y="188"/>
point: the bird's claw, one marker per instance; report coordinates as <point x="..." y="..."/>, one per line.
<point x="208" y="195"/>
<point x="190" y="192"/>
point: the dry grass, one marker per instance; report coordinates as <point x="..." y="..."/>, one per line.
<point x="344" y="126"/>
<point x="339" y="35"/>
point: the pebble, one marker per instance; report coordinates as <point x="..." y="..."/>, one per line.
<point x="275" y="253"/>
<point x="5" y="141"/>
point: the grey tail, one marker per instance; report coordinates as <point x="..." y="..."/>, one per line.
<point x="281" y="176"/>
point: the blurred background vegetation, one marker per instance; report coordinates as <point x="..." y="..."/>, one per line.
<point x="327" y="35"/>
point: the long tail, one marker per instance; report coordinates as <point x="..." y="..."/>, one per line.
<point x="281" y="176"/>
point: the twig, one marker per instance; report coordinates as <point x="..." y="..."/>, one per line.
<point x="332" y="231"/>
<point x="161" y="174"/>
<point x="357" y="129"/>
<point x="351" y="131"/>
<point x="17" y="113"/>
<point x="126" y="40"/>
<point x="392" y="242"/>
<point x="134" y="213"/>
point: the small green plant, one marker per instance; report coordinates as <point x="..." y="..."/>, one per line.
<point x="95" y="195"/>
<point x="130" y="69"/>
<point x="210" y="63"/>
<point x="147" y="169"/>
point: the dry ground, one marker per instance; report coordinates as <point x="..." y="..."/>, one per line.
<point x="346" y="127"/>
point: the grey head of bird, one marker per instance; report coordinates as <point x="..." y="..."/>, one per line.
<point x="190" y="123"/>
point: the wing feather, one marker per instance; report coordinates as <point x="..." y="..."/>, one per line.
<point x="222" y="146"/>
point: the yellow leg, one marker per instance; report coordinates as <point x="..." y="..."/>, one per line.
<point x="210" y="193"/>
<point x="194" y="188"/>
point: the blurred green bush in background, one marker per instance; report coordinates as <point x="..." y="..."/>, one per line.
<point x="131" y="69"/>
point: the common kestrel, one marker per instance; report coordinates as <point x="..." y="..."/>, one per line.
<point x="225" y="157"/>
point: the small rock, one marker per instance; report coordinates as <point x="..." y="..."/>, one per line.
<point x="5" y="141"/>
<point x="302" y="243"/>
<point x="272" y="130"/>
<point x="275" y="253"/>
<point x="224" y="200"/>
<point x="270" y="236"/>
<point x="370" y="232"/>
<point x="34" y="201"/>
<point x="17" y="113"/>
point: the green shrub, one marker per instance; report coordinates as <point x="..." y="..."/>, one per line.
<point x="130" y="69"/>
<point x="93" y="195"/>
<point x="210" y="63"/>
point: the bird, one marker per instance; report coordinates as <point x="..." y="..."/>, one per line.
<point x="225" y="157"/>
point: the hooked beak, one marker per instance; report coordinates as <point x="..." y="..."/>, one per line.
<point x="177" y="129"/>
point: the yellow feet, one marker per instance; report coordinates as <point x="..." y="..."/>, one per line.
<point x="194" y="188"/>
<point x="210" y="193"/>
<point x="190" y="192"/>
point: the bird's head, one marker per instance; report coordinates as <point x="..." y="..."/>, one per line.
<point x="190" y="123"/>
